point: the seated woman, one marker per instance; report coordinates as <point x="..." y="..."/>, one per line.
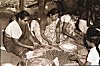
<point x="18" y="38"/>
<point x="48" y="27"/>
<point x="68" y="24"/>
<point x="93" y="46"/>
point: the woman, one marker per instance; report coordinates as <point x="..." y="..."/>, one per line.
<point x="93" y="45"/>
<point x="68" y="27"/>
<point x="18" y="38"/>
<point x="48" y="27"/>
<point x="93" y="41"/>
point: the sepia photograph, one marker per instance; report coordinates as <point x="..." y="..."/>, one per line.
<point x="49" y="33"/>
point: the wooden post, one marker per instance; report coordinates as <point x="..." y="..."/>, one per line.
<point x="41" y="5"/>
<point x="21" y="4"/>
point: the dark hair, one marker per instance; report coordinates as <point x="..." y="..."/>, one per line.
<point x="22" y="14"/>
<point x="93" y="36"/>
<point x="52" y="12"/>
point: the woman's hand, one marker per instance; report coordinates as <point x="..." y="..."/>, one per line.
<point x="73" y="57"/>
<point x="40" y="43"/>
<point x="49" y="42"/>
<point x="31" y="47"/>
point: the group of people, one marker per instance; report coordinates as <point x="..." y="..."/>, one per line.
<point x="24" y="34"/>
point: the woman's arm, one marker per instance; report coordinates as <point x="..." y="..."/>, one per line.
<point x="65" y="32"/>
<point x="34" y="38"/>
<point x="80" y="62"/>
<point x="21" y="44"/>
<point x="83" y="64"/>
<point x="44" y="37"/>
<point x="58" y="32"/>
<point x="77" y="59"/>
<point x="42" y="31"/>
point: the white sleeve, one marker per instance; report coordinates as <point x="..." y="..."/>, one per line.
<point x="93" y="57"/>
<point x="33" y="26"/>
<point x="66" y="18"/>
<point x="13" y="30"/>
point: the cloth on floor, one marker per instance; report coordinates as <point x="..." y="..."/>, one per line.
<point x="68" y="47"/>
